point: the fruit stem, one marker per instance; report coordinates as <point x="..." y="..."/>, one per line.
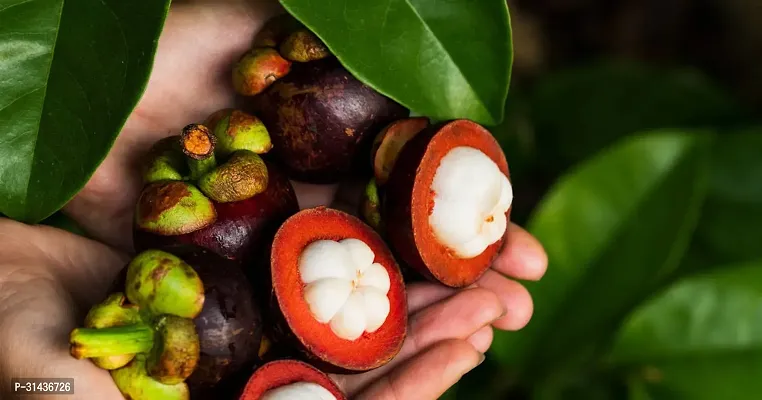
<point x="198" y="143"/>
<point x="113" y="341"/>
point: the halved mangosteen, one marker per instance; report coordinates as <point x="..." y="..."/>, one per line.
<point x="448" y="201"/>
<point x="337" y="293"/>
<point x="290" y="379"/>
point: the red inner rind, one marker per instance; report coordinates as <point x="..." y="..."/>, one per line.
<point x="391" y="140"/>
<point x="369" y="351"/>
<point x="411" y="200"/>
<point x="285" y="372"/>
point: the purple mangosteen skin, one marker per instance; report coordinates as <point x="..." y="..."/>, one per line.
<point x="322" y="120"/>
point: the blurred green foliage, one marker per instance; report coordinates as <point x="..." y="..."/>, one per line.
<point x="643" y="184"/>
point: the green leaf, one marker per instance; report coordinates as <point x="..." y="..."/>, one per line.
<point x="700" y="339"/>
<point x="444" y="59"/>
<point x="70" y="74"/>
<point x="579" y="111"/>
<point x="729" y="230"/>
<point x="613" y="228"/>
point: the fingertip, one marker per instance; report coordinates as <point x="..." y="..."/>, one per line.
<point x="523" y="256"/>
<point x="312" y="195"/>
<point x="428" y="375"/>
<point x="519" y="311"/>
<point x="482" y="339"/>
<point x="514" y="297"/>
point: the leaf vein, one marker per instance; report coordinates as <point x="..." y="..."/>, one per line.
<point x="2" y="108"/>
<point x="14" y="5"/>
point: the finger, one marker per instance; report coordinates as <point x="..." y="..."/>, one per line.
<point x="482" y="339"/>
<point x="457" y="317"/>
<point x="41" y="314"/>
<point x="310" y="195"/>
<point x="428" y="375"/>
<point x="523" y="256"/>
<point x="72" y="258"/>
<point x="423" y="294"/>
<point x="514" y="297"/>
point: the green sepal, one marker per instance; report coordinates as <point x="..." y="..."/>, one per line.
<point x="243" y="176"/>
<point x="173" y="208"/>
<point x="165" y="161"/>
<point x="236" y="130"/>
<point x="162" y="283"/>
<point x="134" y="383"/>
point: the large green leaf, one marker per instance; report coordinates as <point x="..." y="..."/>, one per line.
<point x="614" y="228"/>
<point x="578" y="111"/>
<point x="730" y="227"/>
<point x="70" y="74"/>
<point x="443" y="59"/>
<point x="700" y="339"/>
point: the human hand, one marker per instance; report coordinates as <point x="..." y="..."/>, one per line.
<point x="449" y="329"/>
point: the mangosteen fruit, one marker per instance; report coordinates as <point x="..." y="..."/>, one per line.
<point x="322" y="120"/>
<point x="209" y="187"/>
<point x="258" y="69"/>
<point x="290" y="379"/>
<point x="179" y="322"/>
<point x="447" y="202"/>
<point x="337" y="294"/>
<point x="320" y="117"/>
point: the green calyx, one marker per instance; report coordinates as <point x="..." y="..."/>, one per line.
<point x="214" y="162"/>
<point x="303" y="46"/>
<point x="243" y="176"/>
<point x="134" y="383"/>
<point x="173" y="208"/>
<point x="150" y="344"/>
<point x="371" y="205"/>
<point x="175" y="352"/>
<point x="236" y="130"/>
<point x="165" y="161"/>
<point x="162" y="283"/>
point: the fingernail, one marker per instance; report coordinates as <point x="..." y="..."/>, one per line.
<point x="481" y="360"/>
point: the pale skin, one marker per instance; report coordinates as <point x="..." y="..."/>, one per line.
<point x="49" y="278"/>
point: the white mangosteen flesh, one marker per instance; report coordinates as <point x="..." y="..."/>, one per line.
<point x="471" y="197"/>
<point x="345" y="288"/>
<point x="299" y="390"/>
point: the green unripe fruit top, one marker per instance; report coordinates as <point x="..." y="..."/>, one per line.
<point x="173" y="208"/>
<point x="165" y="161"/>
<point x="236" y="130"/>
<point x="243" y="176"/>
<point x="162" y="283"/>
<point x="136" y="384"/>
